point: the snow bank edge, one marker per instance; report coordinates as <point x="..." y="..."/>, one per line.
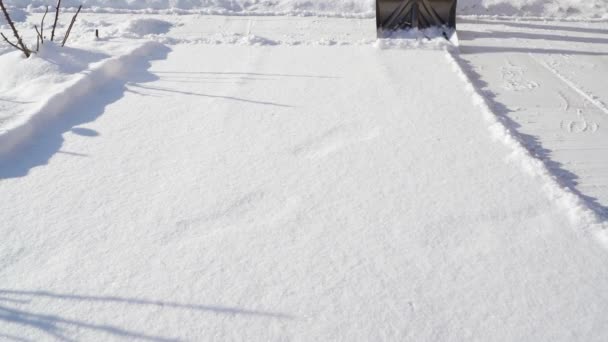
<point x="53" y="106"/>
<point x="579" y="211"/>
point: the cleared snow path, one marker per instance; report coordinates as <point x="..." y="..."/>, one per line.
<point x="548" y="78"/>
<point x="288" y="193"/>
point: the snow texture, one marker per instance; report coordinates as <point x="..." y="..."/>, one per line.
<point x="345" y="8"/>
<point x="577" y="209"/>
<point x="17" y="15"/>
<point x="143" y="27"/>
<point x="254" y="178"/>
<point x="36" y="90"/>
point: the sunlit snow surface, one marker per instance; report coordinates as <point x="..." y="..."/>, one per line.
<point x="337" y="8"/>
<point x="280" y="178"/>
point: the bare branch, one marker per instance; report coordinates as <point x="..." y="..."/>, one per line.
<point x="56" y="17"/>
<point x="10" y="43"/>
<point x="39" y="37"/>
<point x="15" y="32"/>
<point x="37" y="43"/>
<point x="42" y="24"/>
<point x="65" y="39"/>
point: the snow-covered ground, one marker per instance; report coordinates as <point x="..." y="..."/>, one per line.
<point x="546" y="78"/>
<point x="290" y="178"/>
<point x="573" y="9"/>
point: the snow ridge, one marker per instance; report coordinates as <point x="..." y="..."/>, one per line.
<point x="580" y="212"/>
<point x="84" y="84"/>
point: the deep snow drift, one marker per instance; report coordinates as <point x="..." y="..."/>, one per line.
<point x="348" y="8"/>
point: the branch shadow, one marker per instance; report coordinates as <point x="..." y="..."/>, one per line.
<point x="470" y="35"/>
<point x="564" y="177"/>
<point x="247" y="74"/>
<point x="58" y="327"/>
<point x="47" y="141"/>
<point x="465" y="49"/>
<point x="476" y="50"/>
<point x="15" y="101"/>
<point x="232" y="98"/>
<point x="527" y="25"/>
<point x="209" y="77"/>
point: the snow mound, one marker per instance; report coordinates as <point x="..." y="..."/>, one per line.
<point x="430" y="38"/>
<point x="221" y="39"/>
<point x="51" y="64"/>
<point x="253" y="40"/>
<point x="144" y="27"/>
<point x="339" y="8"/>
<point x="48" y="82"/>
<point x="27" y="81"/>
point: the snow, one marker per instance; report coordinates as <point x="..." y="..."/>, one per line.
<point x="37" y="89"/>
<point x="518" y="63"/>
<point x="285" y="211"/>
<point x="143" y="27"/>
<point x="293" y="178"/>
<point x="536" y="8"/>
<point x="26" y="83"/>
<point x="341" y="8"/>
<point x="17" y="15"/>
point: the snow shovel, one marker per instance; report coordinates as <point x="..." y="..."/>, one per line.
<point x="430" y="17"/>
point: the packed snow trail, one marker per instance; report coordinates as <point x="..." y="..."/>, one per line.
<point x="547" y="78"/>
<point x="288" y="193"/>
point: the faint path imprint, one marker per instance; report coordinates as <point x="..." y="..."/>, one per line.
<point x="335" y="139"/>
<point x="252" y="209"/>
<point x="514" y="80"/>
<point x="219" y="219"/>
<point x="553" y="68"/>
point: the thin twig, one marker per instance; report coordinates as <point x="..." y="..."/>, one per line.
<point x="56" y="17"/>
<point x="67" y="34"/>
<point x="42" y="24"/>
<point x="15" y="32"/>
<point x="37" y="43"/>
<point x="10" y="43"/>
<point x="38" y="33"/>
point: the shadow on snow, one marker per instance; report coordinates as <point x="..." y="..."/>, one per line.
<point x="58" y="327"/>
<point x="541" y="32"/>
<point x="47" y="141"/>
<point x="566" y="178"/>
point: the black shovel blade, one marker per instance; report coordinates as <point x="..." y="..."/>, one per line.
<point x="395" y="15"/>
